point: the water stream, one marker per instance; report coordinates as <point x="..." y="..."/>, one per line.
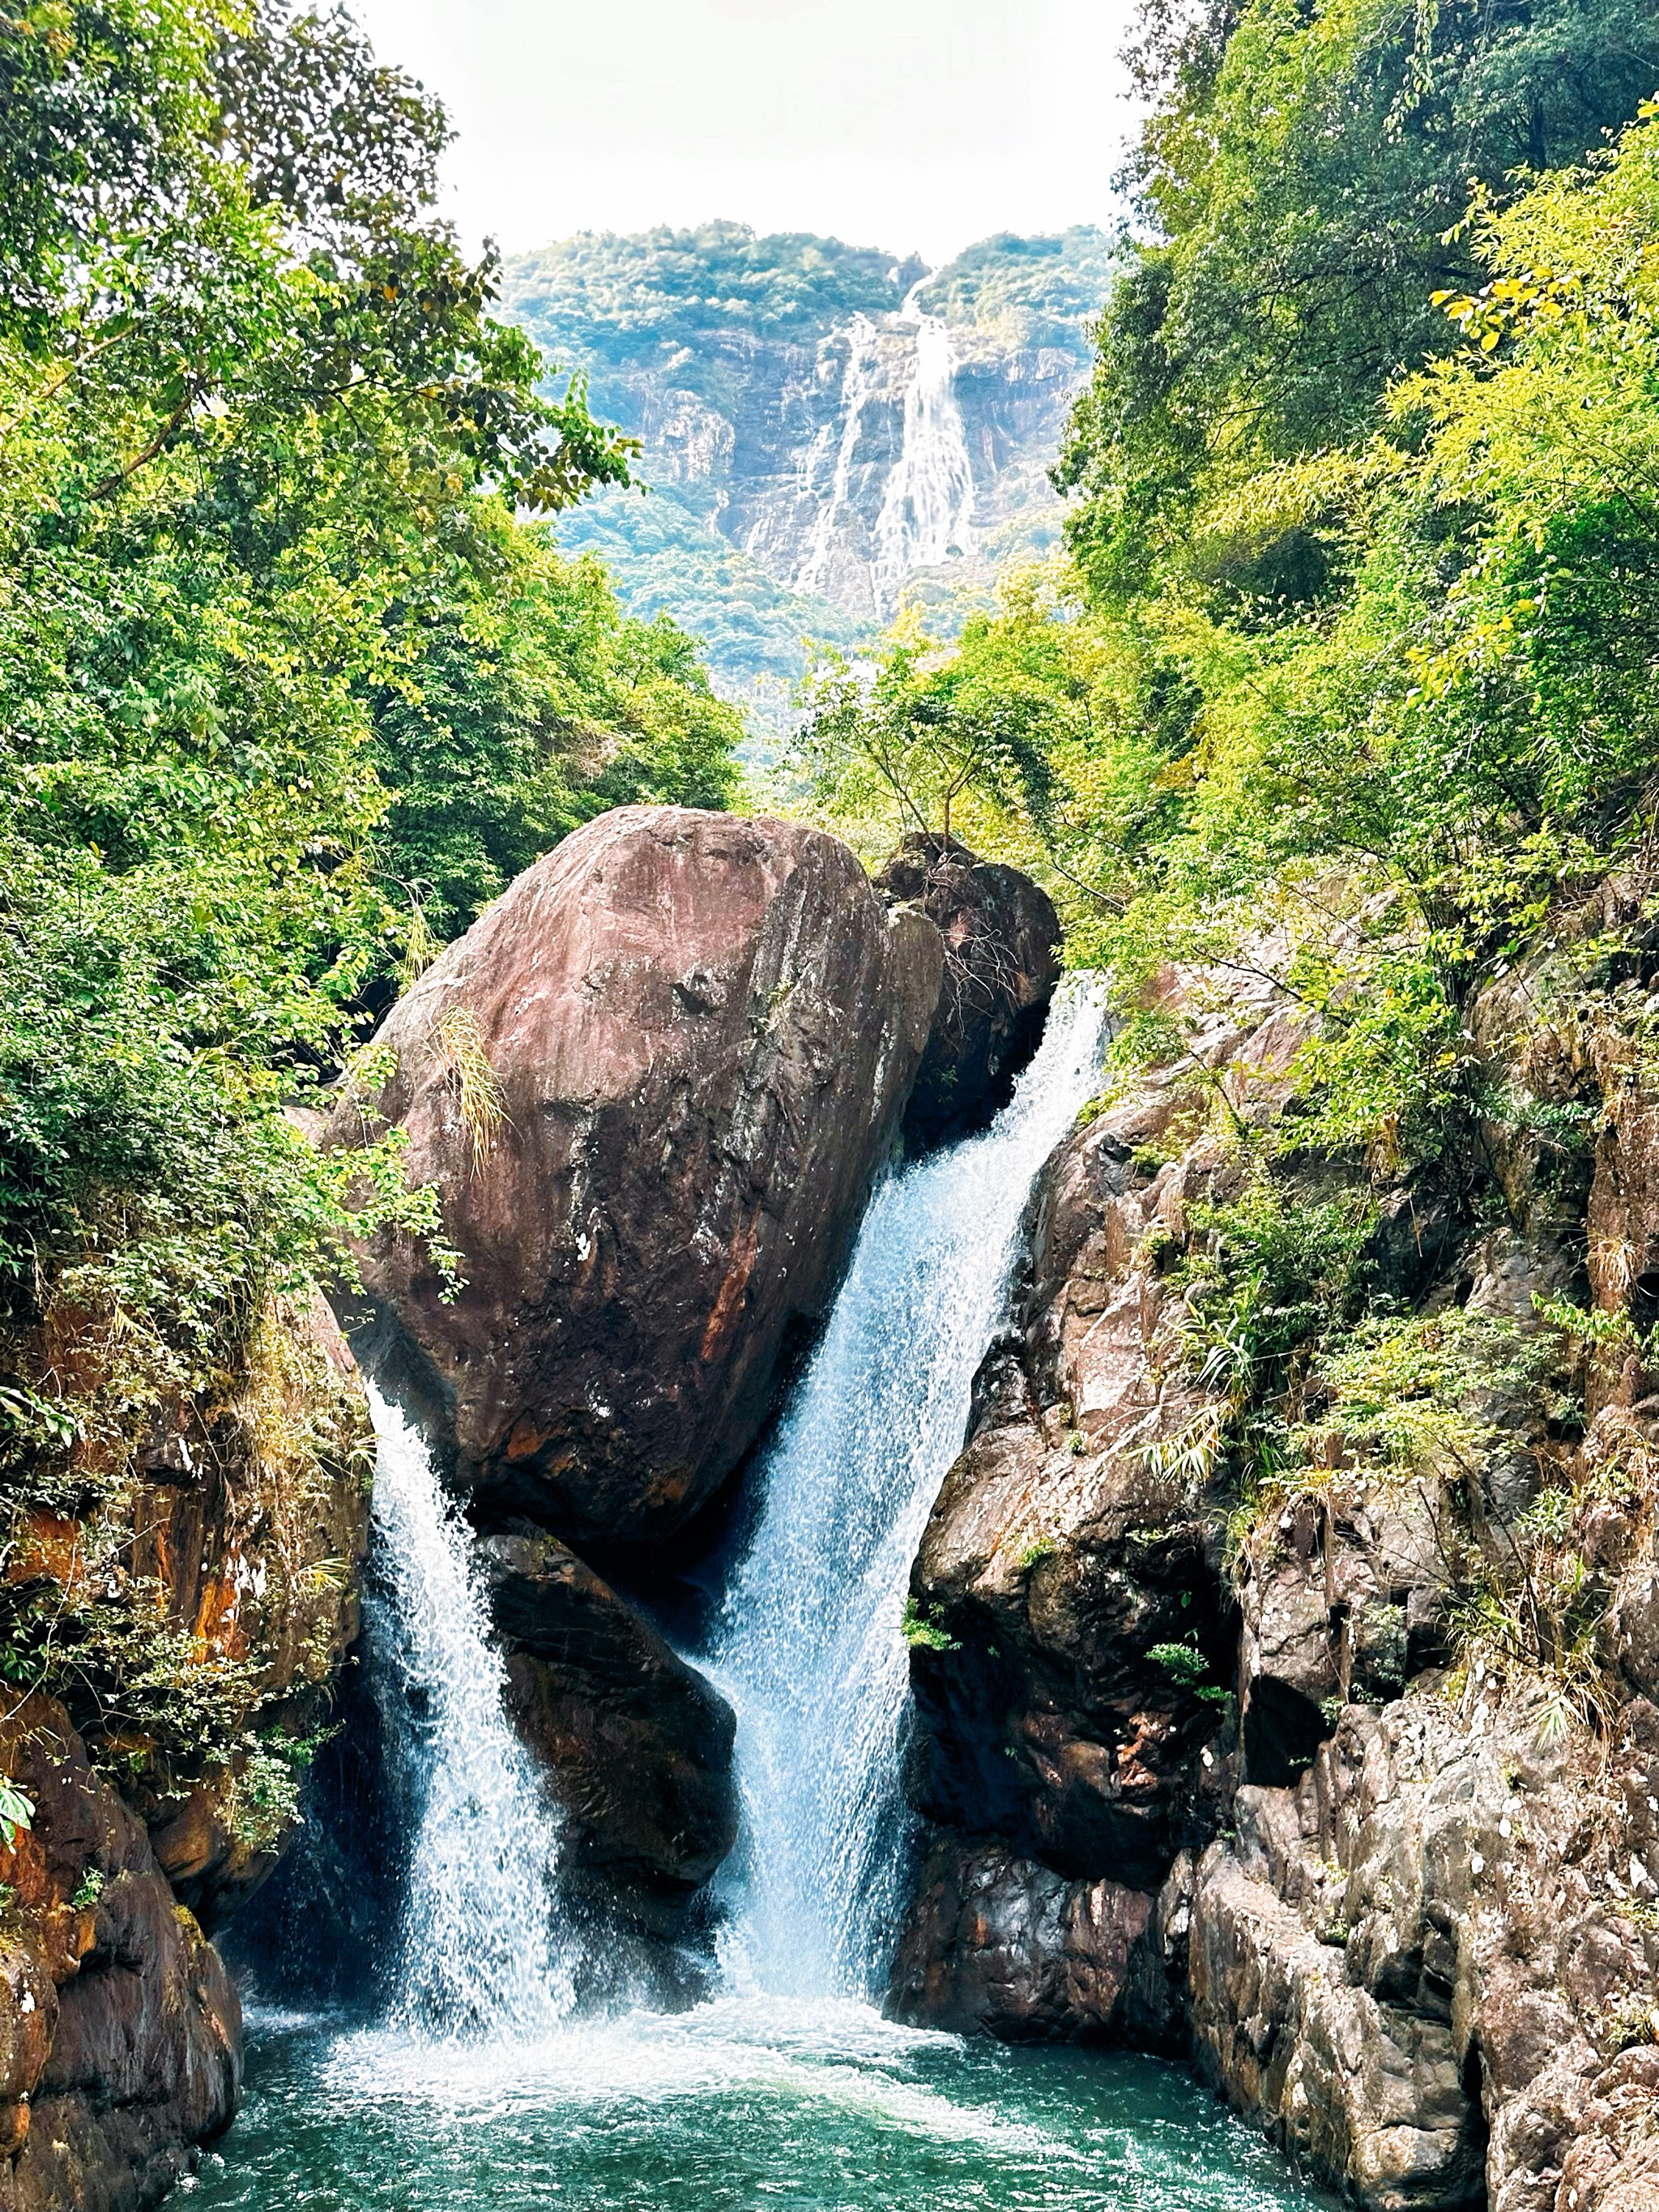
<point x="810" y="1650"/>
<point x="482" y="1949"/>
<point x="925" y="515"/>
<point x="928" y="506"/>
<point x="483" y="2090"/>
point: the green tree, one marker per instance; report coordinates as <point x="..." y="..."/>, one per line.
<point x="261" y="443"/>
<point x="1300" y="181"/>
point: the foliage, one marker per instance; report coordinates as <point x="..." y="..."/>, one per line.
<point x="923" y="1630"/>
<point x="283" y="686"/>
<point x="933" y="741"/>
<point x="1420" y="1392"/>
<point x="288" y="689"/>
<point x="1302" y="182"/>
<point x="752" y="631"/>
<point x="695" y="297"/>
<point x="16" y="1811"/>
<point x="1042" y="291"/>
<point x="1187" y="1667"/>
<point x="528" y="703"/>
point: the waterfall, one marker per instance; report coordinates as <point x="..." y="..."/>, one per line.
<point x="809" y="1646"/>
<point x="926" y="510"/>
<point x="484" y="1953"/>
<point x="925" y="516"/>
<point x="860" y="383"/>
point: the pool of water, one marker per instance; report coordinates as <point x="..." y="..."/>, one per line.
<point x="742" y="2105"/>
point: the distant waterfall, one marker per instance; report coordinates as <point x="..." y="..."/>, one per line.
<point x="860" y="384"/>
<point x="926" y="510"/>
<point x="926" y="500"/>
<point x="483" y="1952"/>
<point x="809" y="1647"/>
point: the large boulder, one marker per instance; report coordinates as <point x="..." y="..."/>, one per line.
<point x="700" y="1033"/>
<point x="636" y="1745"/>
<point x="1001" y="962"/>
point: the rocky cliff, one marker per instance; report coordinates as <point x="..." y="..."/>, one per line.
<point x="120" y="2034"/>
<point x="182" y="1568"/>
<point x="824" y="427"/>
<point x="1299" y="1719"/>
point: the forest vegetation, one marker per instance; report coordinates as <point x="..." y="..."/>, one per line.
<point x="1348" y="670"/>
<point x="292" y="682"/>
<point x="1347" y="682"/>
<point x="1354" y="644"/>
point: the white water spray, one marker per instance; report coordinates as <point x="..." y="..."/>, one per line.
<point x="928" y="507"/>
<point x="860" y="384"/>
<point x="925" y="516"/>
<point x="483" y="1954"/>
<point x="809" y="1647"/>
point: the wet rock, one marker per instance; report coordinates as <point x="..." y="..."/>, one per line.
<point x="637" y="1745"/>
<point x="244" y="1527"/>
<point x="1079" y="1534"/>
<point x="702" y="1031"/>
<point x="1001" y="945"/>
<point x="120" y="2033"/>
<point x="1000" y="1945"/>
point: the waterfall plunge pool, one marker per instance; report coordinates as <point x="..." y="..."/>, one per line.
<point x="484" y="2088"/>
<point x="744" y="2105"/>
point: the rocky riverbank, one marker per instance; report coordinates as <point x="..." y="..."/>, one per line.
<point x="1340" y="1777"/>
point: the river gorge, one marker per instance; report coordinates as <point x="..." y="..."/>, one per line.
<point x="487" y="2084"/>
<point x="800" y="1719"/>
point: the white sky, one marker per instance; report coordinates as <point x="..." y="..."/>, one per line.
<point x="901" y="124"/>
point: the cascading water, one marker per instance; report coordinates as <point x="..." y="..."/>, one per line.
<point x="809" y="1648"/>
<point x="486" y="2093"/>
<point x="483" y="1954"/>
<point x="860" y="383"/>
<point x="926" y="509"/>
<point x="925" y="515"/>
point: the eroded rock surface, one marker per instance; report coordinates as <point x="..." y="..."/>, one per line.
<point x="1415" y="1964"/>
<point x="1005" y="1945"/>
<point x="703" y="1031"/>
<point x="120" y="2033"/>
<point x="1001" y="962"/>
<point x="637" y="1744"/>
<point x="231" y="1538"/>
<point x="1407" y="1917"/>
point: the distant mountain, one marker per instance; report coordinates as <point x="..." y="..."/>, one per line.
<point x="825" y="428"/>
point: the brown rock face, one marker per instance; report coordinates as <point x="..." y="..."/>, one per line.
<point x="1001" y="947"/>
<point x="703" y="1030"/>
<point x="120" y="2034"/>
<point x="1000" y="1945"/>
<point x="242" y="1531"/>
<point x="1411" y="1923"/>
<point x="638" y="1745"/>
<point x="1414" y="1964"/>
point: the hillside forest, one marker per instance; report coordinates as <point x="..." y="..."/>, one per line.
<point x="1347" y="674"/>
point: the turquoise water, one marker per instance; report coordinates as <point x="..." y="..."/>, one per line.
<point x="743" y="2105"/>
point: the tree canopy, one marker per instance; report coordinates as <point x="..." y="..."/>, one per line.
<point x="1352" y="672"/>
<point x="289" y="683"/>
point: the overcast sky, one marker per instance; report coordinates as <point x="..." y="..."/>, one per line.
<point x="902" y="124"/>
